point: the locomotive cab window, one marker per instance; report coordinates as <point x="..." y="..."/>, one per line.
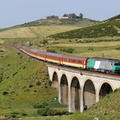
<point x="117" y="64"/>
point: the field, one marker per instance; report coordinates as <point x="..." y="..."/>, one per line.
<point x="32" y="32"/>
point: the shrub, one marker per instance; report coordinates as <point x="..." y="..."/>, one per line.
<point x="68" y="50"/>
<point x="5" y="93"/>
<point x="40" y="105"/>
<point x="38" y="83"/>
<point x="44" y="42"/>
<point x="51" y="112"/>
<point x="53" y="51"/>
<point x="52" y="103"/>
<point x="30" y="86"/>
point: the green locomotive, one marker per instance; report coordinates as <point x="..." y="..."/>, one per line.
<point x="104" y="65"/>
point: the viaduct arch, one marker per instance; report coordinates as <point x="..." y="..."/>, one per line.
<point x="75" y="94"/>
<point x="55" y="81"/>
<point x="89" y="94"/>
<point x="80" y="90"/>
<point x="64" y="89"/>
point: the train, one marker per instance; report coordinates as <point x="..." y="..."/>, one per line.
<point x="105" y="65"/>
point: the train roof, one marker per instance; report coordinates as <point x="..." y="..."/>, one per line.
<point x="104" y="59"/>
<point x="25" y="46"/>
<point x="54" y="54"/>
<point x="75" y="57"/>
<point x="32" y="49"/>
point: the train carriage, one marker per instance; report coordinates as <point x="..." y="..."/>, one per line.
<point x="33" y="52"/>
<point x="25" y="49"/>
<point x="75" y="61"/>
<point x="104" y="65"/>
<point x="54" y="58"/>
<point x="41" y="55"/>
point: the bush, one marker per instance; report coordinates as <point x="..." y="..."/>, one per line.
<point x="30" y="86"/>
<point x="38" y="83"/>
<point x="50" y="50"/>
<point x="40" y="105"/>
<point x="68" y="50"/>
<point x="5" y="93"/>
<point x="44" y="42"/>
<point x="51" y="112"/>
<point x="53" y="103"/>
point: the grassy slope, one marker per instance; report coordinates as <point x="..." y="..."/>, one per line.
<point x="100" y="40"/>
<point x="34" y="34"/>
<point x="74" y="22"/>
<point x="106" y="109"/>
<point x="31" y="32"/>
<point x="101" y="49"/>
<point x="111" y="28"/>
<point x="19" y="76"/>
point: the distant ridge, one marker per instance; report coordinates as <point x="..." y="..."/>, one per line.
<point x="113" y="18"/>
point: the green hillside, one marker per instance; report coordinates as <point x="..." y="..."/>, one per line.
<point x="58" y="21"/>
<point x="110" y="28"/>
<point x="21" y="35"/>
<point x="23" y="83"/>
<point x="107" y="108"/>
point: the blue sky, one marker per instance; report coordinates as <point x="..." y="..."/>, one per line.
<point x="14" y="12"/>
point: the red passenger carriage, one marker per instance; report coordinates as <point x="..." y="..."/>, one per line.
<point x="75" y="61"/>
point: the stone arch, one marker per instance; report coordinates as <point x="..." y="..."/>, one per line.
<point x="55" y="81"/>
<point x="64" y="89"/>
<point x="105" y="89"/>
<point x="89" y="94"/>
<point x="75" y="94"/>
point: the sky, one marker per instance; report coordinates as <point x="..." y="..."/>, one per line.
<point x="15" y="12"/>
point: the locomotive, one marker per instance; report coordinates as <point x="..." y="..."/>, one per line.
<point x="105" y="65"/>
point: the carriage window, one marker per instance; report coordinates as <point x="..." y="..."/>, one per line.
<point x="41" y="55"/>
<point x="79" y="61"/>
<point x="74" y="61"/>
<point x="65" y="59"/>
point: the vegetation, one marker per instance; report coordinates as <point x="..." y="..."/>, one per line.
<point x="67" y="19"/>
<point x="111" y="28"/>
<point x="52" y="103"/>
<point x="51" y="112"/>
<point x="35" y="35"/>
<point x="23" y="82"/>
<point x="107" y="108"/>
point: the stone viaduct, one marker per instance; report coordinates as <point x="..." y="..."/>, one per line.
<point x="81" y="88"/>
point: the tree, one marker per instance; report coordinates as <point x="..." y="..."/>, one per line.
<point x="72" y="15"/>
<point x="81" y="15"/>
<point x="65" y="15"/>
<point x="51" y="17"/>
